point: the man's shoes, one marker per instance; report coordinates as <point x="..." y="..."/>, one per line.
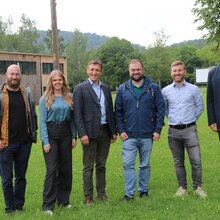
<point x="48" y="212"/>
<point x="18" y="209"/>
<point x="89" y="201"/>
<point x="181" y="191"/>
<point x="9" y="212"/>
<point x="127" y="198"/>
<point x="102" y="197"/>
<point x="199" y="192"/>
<point x="66" y="206"/>
<point x="143" y="194"/>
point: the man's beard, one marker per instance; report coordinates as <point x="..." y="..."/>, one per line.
<point x="14" y="86"/>
<point x="137" y="79"/>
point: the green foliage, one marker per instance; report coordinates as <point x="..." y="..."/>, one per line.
<point x="157" y="64"/>
<point x="190" y="77"/>
<point x="27" y="36"/>
<point x="6" y="35"/>
<point x="77" y="58"/>
<point x="157" y="60"/>
<point x="115" y="55"/>
<point x="208" y="55"/>
<point x="25" y="40"/>
<point x="208" y="13"/>
<point x="188" y="54"/>
<point x="95" y="41"/>
<point x="160" y="38"/>
<point x="198" y="43"/>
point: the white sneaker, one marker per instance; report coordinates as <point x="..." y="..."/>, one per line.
<point x="181" y="192"/>
<point x="68" y="206"/>
<point x="199" y="192"/>
<point x="48" y="212"/>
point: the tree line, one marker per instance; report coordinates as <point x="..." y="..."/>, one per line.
<point x="115" y="53"/>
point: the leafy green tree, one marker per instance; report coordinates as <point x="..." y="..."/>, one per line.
<point x="77" y="57"/>
<point x="115" y="55"/>
<point x="27" y="36"/>
<point x="208" y="55"/>
<point x="160" y="39"/>
<point x="5" y="26"/>
<point x="157" y="61"/>
<point x="6" y="35"/>
<point x="188" y="54"/>
<point x="208" y="13"/>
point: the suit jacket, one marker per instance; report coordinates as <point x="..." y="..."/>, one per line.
<point x="213" y="96"/>
<point x="87" y="112"/>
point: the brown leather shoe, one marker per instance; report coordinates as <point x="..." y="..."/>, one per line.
<point x="102" y="197"/>
<point x="89" y="201"/>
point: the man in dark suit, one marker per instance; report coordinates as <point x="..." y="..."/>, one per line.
<point x="94" y="118"/>
<point x="213" y="99"/>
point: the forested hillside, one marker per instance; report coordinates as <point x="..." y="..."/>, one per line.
<point x="199" y="43"/>
<point x="94" y="41"/>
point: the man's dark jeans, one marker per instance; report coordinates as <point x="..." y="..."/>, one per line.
<point x="14" y="156"/>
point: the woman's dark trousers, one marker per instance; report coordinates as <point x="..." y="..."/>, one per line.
<point x="58" y="179"/>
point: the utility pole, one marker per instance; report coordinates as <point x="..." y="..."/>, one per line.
<point x="54" y="32"/>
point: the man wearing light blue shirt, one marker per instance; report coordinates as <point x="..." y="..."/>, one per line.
<point x="101" y="98"/>
<point x="184" y="105"/>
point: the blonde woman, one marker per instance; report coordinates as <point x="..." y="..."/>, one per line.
<point x="58" y="138"/>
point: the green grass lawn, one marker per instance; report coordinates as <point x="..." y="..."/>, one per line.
<point x="161" y="203"/>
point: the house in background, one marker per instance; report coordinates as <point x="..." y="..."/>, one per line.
<point x="35" y="69"/>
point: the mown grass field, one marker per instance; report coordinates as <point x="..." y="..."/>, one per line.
<point x="161" y="203"/>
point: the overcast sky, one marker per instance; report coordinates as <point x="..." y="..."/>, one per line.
<point x="133" y="20"/>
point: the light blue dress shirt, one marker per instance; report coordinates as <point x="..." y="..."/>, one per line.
<point x="183" y="104"/>
<point x="101" y="99"/>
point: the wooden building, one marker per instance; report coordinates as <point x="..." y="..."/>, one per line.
<point x="35" y="69"/>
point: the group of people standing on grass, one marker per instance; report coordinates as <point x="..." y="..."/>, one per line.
<point x="137" y="117"/>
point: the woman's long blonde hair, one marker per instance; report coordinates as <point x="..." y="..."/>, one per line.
<point x="49" y="92"/>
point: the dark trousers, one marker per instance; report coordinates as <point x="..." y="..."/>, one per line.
<point x="96" y="153"/>
<point x="58" y="179"/>
<point x="14" y="158"/>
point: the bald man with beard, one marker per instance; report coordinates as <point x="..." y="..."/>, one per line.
<point x="18" y="124"/>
